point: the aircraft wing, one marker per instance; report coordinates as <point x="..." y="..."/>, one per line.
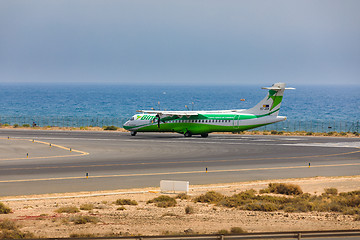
<point x="170" y="113"/>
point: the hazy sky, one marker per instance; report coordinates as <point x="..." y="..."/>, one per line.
<point x="180" y="42"/>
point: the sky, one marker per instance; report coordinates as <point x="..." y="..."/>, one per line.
<point x="187" y="42"/>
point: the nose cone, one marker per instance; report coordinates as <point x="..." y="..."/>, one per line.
<point x="126" y="125"/>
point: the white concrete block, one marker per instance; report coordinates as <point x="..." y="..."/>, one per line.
<point x="174" y="186"/>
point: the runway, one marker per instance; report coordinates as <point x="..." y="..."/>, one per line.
<point x="115" y="160"/>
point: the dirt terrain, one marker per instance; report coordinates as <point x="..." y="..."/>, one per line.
<point x="38" y="216"/>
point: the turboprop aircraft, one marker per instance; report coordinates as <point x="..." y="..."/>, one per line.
<point x="204" y="122"/>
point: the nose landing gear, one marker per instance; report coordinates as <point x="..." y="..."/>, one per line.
<point x="188" y="134"/>
<point x="133" y="133"/>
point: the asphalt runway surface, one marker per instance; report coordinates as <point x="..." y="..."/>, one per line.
<point x="116" y="160"/>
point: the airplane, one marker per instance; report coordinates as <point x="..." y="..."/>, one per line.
<point x="202" y="123"/>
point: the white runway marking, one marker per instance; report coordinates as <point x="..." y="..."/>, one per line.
<point x="293" y="139"/>
<point x="223" y="141"/>
<point x="263" y="140"/>
<point x="339" y="144"/>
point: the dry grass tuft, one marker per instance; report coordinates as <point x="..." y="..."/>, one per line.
<point x="84" y="219"/>
<point x="125" y="202"/>
<point x="67" y="209"/>
<point x="189" y="210"/>
<point x="182" y="196"/>
<point x="87" y="206"/>
<point x="163" y="201"/>
<point x="331" y="191"/>
<point x="283" y="188"/>
<point x="210" y="197"/>
<point x="10" y="230"/>
<point x="4" y="209"/>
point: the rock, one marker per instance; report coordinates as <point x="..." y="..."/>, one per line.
<point x="189" y="231"/>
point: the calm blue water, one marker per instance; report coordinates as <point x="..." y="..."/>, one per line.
<point x="329" y="103"/>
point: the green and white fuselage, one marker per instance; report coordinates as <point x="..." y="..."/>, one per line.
<point x="203" y="122"/>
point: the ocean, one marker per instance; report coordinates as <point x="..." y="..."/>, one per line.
<point x="24" y="103"/>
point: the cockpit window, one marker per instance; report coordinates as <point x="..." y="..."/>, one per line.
<point x="132" y="119"/>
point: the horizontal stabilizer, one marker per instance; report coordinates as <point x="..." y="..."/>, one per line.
<point x="278" y="88"/>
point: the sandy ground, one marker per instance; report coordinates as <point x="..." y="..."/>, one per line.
<point x="40" y="218"/>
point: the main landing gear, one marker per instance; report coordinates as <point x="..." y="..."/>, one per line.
<point x="204" y="135"/>
<point x="133" y="133"/>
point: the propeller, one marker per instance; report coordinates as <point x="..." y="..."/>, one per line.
<point x="158" y="120"/>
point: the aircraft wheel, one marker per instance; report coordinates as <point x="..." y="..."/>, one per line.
<point x="204" y="135"/>
<point x="188" y="134"/>
<point x="133" y="133"/>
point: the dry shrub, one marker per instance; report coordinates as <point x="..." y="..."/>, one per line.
<point x="233" y="230"/>
<point x="283" y="188"/>
<point x="67" y="209"/>
<point x="264" y="207"/>
<point x="82" y="235"/>
<point x="351" y="211"/>
<point x="111" y="128"/>
<point x="163" y="201"/>
<point x="331" y="191"/>
<point x="210" y="197"/>
<point x="122" y="208"/>
<point x="238" y="200"/>
<point x="126" y="202"/>
<point x="84" y="219"/>
<point x="87" y="206"/>
<point x="189" y="210"/>
<point x="15" y="234"/>
<point x="182" y="196"/>
<point x="345" y="203"/>
<point x="7" y="224"/>
<point x="237" y="230"/>
<point x="223" y="232"/>
<point x="9" y="230"/>
<point x="4" y="209"/>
